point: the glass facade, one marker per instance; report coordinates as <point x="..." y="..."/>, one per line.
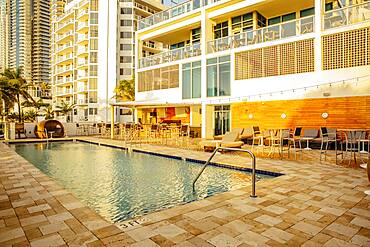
<point x="161" y="78"/>
<point x="218" y="76"/>
<point x="191" y="80"/>
<point x="222" y="119"/>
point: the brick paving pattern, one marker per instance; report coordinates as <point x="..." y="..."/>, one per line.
<point x="311" y="205"/>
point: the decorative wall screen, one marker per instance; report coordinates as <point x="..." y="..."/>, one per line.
<point x="290" y="58"/>
<point x="347" y="49"/>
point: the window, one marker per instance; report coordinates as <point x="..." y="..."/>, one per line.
<point x="221" y="30"/>
<point x="124" y="35"/>
<point x="93" y="31"/>
<point x="125" y="59"/>
<point x="125" y="71"/>
<point x="162" y="78"/>
<point x="93" y="44"/>
<point x="329" y="6"/>
<point x="307" y="12"/>
<point x="177" y="45"/>
<point x="93" y="57"/>
<point x="125" y="11"/>
<point x="195" y="35"/>
<point x="93" y="111"/>
<point x="222" y="119"/>
<point x="93" y="70"/>
<point x="242" y="23"/>
<point x="125" y="23"/>
<point x="94" y="18"/>
<point x="94" y="5"/>
<point x="261" y="20"/>
<point x="191" y="80"/>
<point x="282" y="18"/>
<point x="218" y="76"/>
<point x="93" y="97"/>
<point x="93" y="84"/>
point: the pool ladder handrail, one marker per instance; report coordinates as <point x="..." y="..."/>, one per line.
<point x="253" y="194"/>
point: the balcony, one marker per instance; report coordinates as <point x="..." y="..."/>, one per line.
<point x="82" y="26"/>
<point x="63" y="36"/>
<point x="82" y="51"/>
<point x="83" y="38"/>
<point x="173" y="12"/>
<point x="82" y="89"/>
<point x="65" y="91"/>
<point x="65" y="58"/>
<point x="64" y="24"/>
<point x="270" y="33"/>
<point x="65" y="70"/>
<point x="171" y="56"/>
<point x="347" y="16"/>
<point x="82" y="13"/>
<point x="66" y="80"/>
<point x="64" y="47"/>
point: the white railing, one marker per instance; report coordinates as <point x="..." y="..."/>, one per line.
<point x="63" y="58"/>
<point x="347" y="16"/>
<point x="82" y="62"/>
<point x="65" y="69"/>
<point x="64" y="91"/>
<point x="83" y="3"/>
<point x="60" y="48"/>
<point x="82" y="37"/>
<point x="83" y="12"/>
<point x="145" y="8"/>
<point x="61" y="25"/>
<point x="82" y="25"/>
<point x="65" y="80"/>
<point x="82" y="50"/>
<point x="151" y="45"/>
<point x="171" y="55"/>
<point x="82" y="89"/>
<point x="60" y="37"/>
<point x="173" y="12"/>
<point x="274" y="32"/>
<point x="65" y="14"/>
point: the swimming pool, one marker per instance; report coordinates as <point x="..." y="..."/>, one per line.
<point x="120" y="185"/>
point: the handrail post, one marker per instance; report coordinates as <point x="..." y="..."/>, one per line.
<point x="253" y="192"/>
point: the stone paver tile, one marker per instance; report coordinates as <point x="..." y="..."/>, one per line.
<point x="268" y="220"/>
<point x="278" y="235"/>
<point x="223" y="240"/>
<point x="48" y="241"/>
<point x="38" y="208"/>
<point x="53" y="227"/>
<point x="334" y="211"/>
<point x="60" y="217"/>
<point x="82" y="239"/>
<point x="95" y="224"/>
<point x="361" y="240"/>
<point x="252" y="238"/>
<point x="310" y="215"/>
<point x="359" y="221"/>
<point x="238" y="226"/>
<point x="196" y="215"/>
<point x="11" y="234"/>
<point x="169" y="231"/>
<point x="107" y="231"/>
<point x="146" y="243"/>
<point x="342" y="230"/>
<point x="334" y="242"/>
<point x="6" y="213"/>
<point x="33" y="220"/>
<point x="121" y="239"/>
<point x="307" y="228"/>
<point x="142" y="233"/>
<point x="23" y="202"/>
<point x="275" y="209"/>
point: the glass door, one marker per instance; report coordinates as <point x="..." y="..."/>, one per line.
<point x="222" y="119"/>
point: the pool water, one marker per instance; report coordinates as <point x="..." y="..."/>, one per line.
<point x="120" y="185"/>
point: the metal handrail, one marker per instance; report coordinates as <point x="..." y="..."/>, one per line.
<point x="253" y="194"/>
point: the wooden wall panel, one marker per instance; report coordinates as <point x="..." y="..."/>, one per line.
<point x="344" y="112"/>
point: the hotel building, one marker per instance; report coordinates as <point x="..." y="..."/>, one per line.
<point x="92" y="50"/>
<point x="267" y="63"/>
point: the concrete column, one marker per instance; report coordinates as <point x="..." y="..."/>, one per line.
<point x="319" y="9"/>
<point x="206" y="35"/>
<point x="112" y="122"/>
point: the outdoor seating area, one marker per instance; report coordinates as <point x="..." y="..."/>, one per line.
<point x="349" y="146"/>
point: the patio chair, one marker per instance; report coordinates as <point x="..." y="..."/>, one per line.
<point x="275" y="141"/>
<point x="292" y="139"/>
<point x="327" y="137"/>
<point x="259" y="137"/>
<point x="352" y="139"/>
<point x="246" y="135"/>
<point x="230" y="140"/>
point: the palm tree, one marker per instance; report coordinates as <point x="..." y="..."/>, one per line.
<point x="65" y="108"/>
<point x="49" y="112"/>
<point x="30" y="115"/>
<point x="125" y="90"/>
<point x="45" y="89"/>
<point x="35" y="104"/>
<point x="18" y="88"/>
<point x="6" y="98"/>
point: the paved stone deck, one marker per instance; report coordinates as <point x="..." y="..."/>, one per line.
<point x="312" y="205"/>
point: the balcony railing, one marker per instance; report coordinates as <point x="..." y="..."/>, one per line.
<point x="82" y="25"/>
<point x="82" y="37"/>
<point x="60" y="48"/>
<point x="270" y="33"/>
<point x="171" y="55"/>
<point x="66" y="80"/>
<point x="65" y="24"/>
<point x="347" y="15"/>
<point x="83" y="12"/>
<point x="173" y="12"/>
<point x="60" y="37"/>
<point x="66" y="57"/>
<point x="65" y="91"/>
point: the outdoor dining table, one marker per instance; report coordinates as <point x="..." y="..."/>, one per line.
<point x="307" y="139"/>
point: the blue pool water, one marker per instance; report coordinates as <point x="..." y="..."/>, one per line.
<point x="120" y="185"/>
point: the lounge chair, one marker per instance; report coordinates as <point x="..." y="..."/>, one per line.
<point x="230" y="140"/>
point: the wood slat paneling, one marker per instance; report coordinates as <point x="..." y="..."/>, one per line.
<point x="344" y="112"/>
